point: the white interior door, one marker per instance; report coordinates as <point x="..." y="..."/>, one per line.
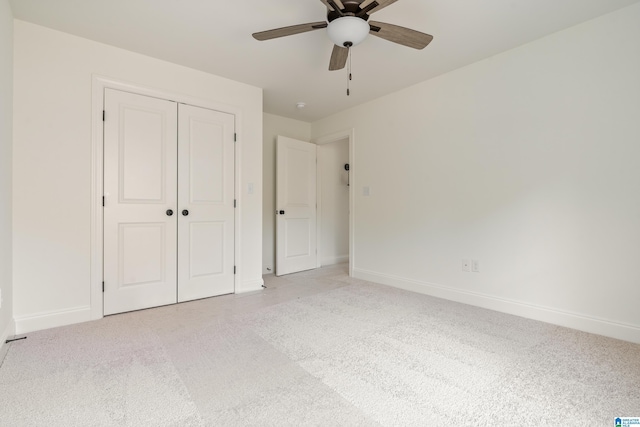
<point x="206" y="202"/>
<point x="140" y="212"/>
<point x="295" y="206"/>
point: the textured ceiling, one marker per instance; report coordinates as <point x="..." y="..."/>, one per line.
<point x="215" y="36"/>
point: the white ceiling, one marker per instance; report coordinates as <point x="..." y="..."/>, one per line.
<point x="215" y="36"/>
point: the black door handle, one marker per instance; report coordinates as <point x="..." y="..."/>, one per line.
<point x="185" y="212"/>
<point x="169" y="212"/>
<point x="281" y="212"/>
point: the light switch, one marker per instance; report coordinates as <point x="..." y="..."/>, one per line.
<point x="250" y="188"/>
<point x="366" y="191"/>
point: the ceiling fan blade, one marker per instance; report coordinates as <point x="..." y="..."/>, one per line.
<point x="326" y="3"/>
<point x="400" y="35"/>
<point x="380" y="5"/>
<point x="289" y="31"/>
<point x="335" y="6"/>
<point x="338" y="58"/>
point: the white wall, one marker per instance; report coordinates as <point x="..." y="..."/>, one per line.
<point x="527" y="162"/>
<point x="6" y="135"/>
<point x="274" y="126"/>
<point x="52" y="164"/>
<point x="334" y="202"/>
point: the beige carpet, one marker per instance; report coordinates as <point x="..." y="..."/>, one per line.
<point x="318" y="348"/>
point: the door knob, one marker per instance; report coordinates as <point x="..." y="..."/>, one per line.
<point x="185" y="212"/>
<point x="281" y="212"/>
<point x="169" y="212"/>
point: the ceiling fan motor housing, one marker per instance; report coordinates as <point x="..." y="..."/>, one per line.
<point x="351" y="8"/>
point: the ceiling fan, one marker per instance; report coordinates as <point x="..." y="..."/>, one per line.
<point x="347" y="26"/>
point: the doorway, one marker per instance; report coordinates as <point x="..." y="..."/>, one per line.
<point x="334" y="187"/>
<point x="342" y="139"/>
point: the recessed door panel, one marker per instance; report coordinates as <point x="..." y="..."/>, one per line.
<point x="207" y="170"/>
<point x="298" y="237"/>
<point x="298" y="178"/>
<point x="141" y="248"/>
<point x="140" y="189"/>
<point x="142" y="150"/>
<point x="206" y="249"/>
<point x="206" y="203"/>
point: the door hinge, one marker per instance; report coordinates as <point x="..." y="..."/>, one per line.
<point x="235" y="137"/>
<point x="234" y="269"/>
<point x="103" y="201"/>
<point x="103" y="114"/>
<point x="234" y="203"/>
<point x="102" y="286"/>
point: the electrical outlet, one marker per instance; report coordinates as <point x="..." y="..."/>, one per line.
<point x="475" y="266"/>
<point x="466" y="265"/>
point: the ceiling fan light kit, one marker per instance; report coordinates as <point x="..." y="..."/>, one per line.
<point x="348" y="31"/>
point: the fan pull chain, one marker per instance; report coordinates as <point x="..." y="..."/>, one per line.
<point x="349" y="72"/>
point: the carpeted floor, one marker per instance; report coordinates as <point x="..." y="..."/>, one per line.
<point x="318" y="348"/>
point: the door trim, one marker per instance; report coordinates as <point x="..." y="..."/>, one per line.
<point x="349" y="136"/>
<point x="98" y="85"/>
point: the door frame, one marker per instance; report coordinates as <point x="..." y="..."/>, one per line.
<point x="348" y="136"/>
<point x="98" y="85"/>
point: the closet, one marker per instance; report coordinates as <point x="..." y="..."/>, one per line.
<point x="168" y="202"/>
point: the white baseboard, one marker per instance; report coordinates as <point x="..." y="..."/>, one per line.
<point x="8" y="332"/>
<point x="52" y="319"/>
<point x="586" y="323"/>
<point x="335" y="260"/>
<point x="250" y="286"/>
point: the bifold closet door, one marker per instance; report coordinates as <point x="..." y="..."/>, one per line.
<point x="140" y="206"/>
<point x="206" y="188"/>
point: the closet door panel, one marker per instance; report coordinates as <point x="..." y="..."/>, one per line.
<point x="140" y="189"/>
<point x="206" y="202"/>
